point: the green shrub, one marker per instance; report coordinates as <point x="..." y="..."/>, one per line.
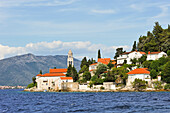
<point x="167" y="86"/>
<point x="139" y="84"/>
<point x="101" y="87"/>
<point x="31" y="85"/>
<point x="158" y="85"/>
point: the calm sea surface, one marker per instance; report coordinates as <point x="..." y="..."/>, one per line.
<point x="16" y="101"/>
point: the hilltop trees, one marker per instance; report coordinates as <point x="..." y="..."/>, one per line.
<point x="158" y="40"/>
<point x="119" y="51"/>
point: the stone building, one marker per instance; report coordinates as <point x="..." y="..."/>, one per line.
<point x="55" y="79"/>
<point x="70" y="59"/>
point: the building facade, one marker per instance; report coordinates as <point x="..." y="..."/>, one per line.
<point x="127" y="56"/>
<point x="52" y="80"/>
<point x="155" y="55"/>
<point x="139" y="73"/>
<point x="56" y="78"/>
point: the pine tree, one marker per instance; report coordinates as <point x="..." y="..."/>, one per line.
<point x="157" y="30"/>
<point x="119" y="51"/>
<point x="134" y="46"/>
<point x="84" y="62"/>
<point x="99" y="55"/>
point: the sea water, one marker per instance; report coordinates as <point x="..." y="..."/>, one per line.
<point x="17" y="101"/>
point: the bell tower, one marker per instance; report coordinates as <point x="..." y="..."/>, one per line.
<point x="70" y="60"/>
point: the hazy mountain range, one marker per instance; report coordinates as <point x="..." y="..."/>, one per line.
<point x="19" y="70"/>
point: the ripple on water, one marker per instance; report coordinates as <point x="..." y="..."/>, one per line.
<point x="149" y="102"/>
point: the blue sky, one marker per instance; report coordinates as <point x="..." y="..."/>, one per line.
<point x="50" y="27"/>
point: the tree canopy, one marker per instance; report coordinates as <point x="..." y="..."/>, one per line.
<point x="157" y="40"/>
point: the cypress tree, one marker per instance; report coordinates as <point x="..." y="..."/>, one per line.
<point x="40" y="72"/>
<point x="134" y="46"/>
<point x="69" y="71"/>
<point x="99" y="55"/>
<point x="84" y="62"/>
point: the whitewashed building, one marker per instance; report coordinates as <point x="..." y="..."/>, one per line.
<point x="52" y="80"/>
<point x="56" y="77"/>
<point x="155" y="55"/>
<point x="139" y="73"/>
<point x="127" y="56"/>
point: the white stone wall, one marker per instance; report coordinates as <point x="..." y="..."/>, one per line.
<point x="121" y="58"/>
<point x="84" y="87"/>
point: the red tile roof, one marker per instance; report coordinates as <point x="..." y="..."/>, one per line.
<point x="66" y="78"/>
<point x="126" y="53"/>
<point x="53" y="75"/>
<point x="92" y="70"/>
<point x="153" y="52"/>
<point x="133" y="51"/>
<point x="142" y="53"/>
<point x="105" y="72"/>
<point x="93" y="64"/>
<point x="139" y="71"/>
<point x="39" y="74"/>
<point x="105" y="60"/>
<point x="58" y="70"/>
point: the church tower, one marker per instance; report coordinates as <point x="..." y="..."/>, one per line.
<point x="70" y="59"/>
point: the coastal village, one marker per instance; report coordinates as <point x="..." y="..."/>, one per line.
<point x="145" y="68"/>
<point x="59" y="80"/>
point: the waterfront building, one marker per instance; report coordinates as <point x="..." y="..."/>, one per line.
<point x="55" y="78"/>
<point x="52" y="80"/>
<point x="139" y="73"/>
<point x="155" y="55"/>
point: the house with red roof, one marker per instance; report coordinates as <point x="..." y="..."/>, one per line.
<point x="53" y="79"/>
<point x="127" y="56"/>
<point x="139" y="73"/>
<point x="105" y="61"/>
<point x="155" y="55"/>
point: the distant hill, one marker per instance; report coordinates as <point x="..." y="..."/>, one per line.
<point x="19" y="70"/>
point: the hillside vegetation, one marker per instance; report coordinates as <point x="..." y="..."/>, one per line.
<point x="157" y="40"/>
